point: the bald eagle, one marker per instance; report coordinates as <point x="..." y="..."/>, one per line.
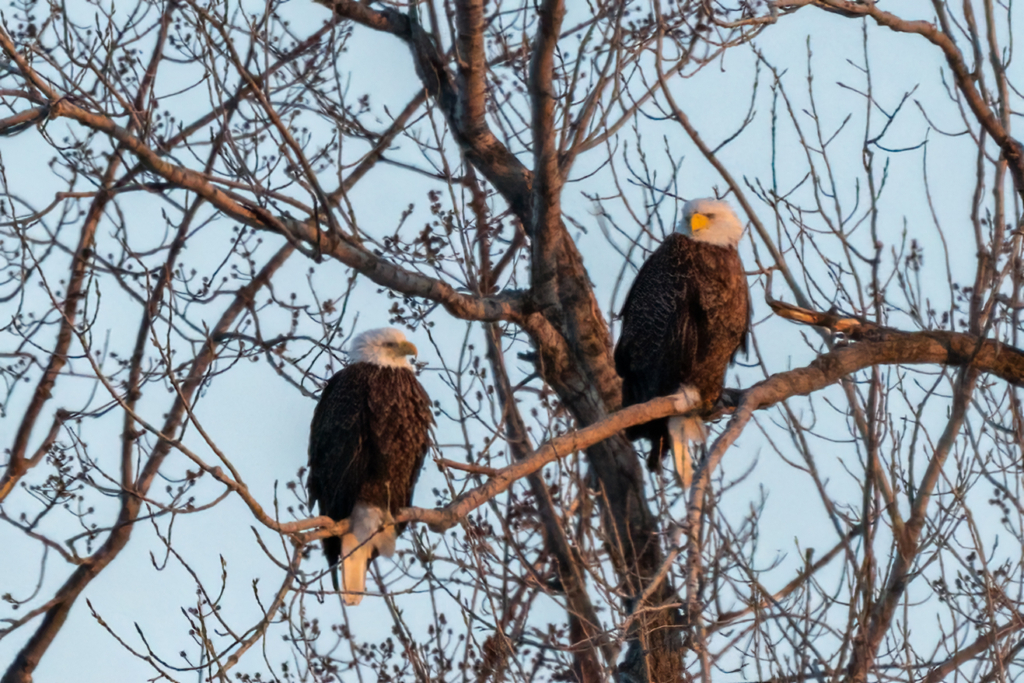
<point x="369" y="435"/>
<point x="685" y="317"/>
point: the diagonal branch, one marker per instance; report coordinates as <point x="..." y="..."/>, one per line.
<point x="377" y="269"/>
<point x="969" y="652"/>
<point x="890" y="347"/>
<point x="463" y="109"/>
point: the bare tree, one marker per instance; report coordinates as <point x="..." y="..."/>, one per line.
<point x="203" y="200"/>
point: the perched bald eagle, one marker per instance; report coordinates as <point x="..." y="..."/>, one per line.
<point x="369" y="435"/>
<point x="684" y="319"/>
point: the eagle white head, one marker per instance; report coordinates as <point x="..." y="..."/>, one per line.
<point x="384" y="346"/>
<point x="711" y="221"/>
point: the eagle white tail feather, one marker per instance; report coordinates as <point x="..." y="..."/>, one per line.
<point x="365" y="538"/>
<point x="683" y="431"/>
<point x="353" y="568"/>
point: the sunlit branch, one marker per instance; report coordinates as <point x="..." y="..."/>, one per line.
<point x="888" y="347"/>
<point x="377" y="269"/>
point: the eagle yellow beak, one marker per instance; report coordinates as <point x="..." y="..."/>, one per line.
<point x="407" y="348"/>
<point x="698" y="221"/>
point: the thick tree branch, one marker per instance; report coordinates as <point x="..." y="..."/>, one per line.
<point x="969" y="652"/>
<point x="441" y="519"/>
<point x="548" y="231"/>
<point x="471" y="78"/>
<point x="890" y="347"/>
<point x="16" y="123"/>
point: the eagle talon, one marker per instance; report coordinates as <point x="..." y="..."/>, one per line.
<point x="686" y="399"/>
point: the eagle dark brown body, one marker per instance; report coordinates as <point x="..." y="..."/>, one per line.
<point x="686" y="316"/>
<point x="369" y="435"/>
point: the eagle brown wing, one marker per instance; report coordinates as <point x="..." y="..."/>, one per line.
<point x="341" y="447"/>
<point x="661" y="322"/>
